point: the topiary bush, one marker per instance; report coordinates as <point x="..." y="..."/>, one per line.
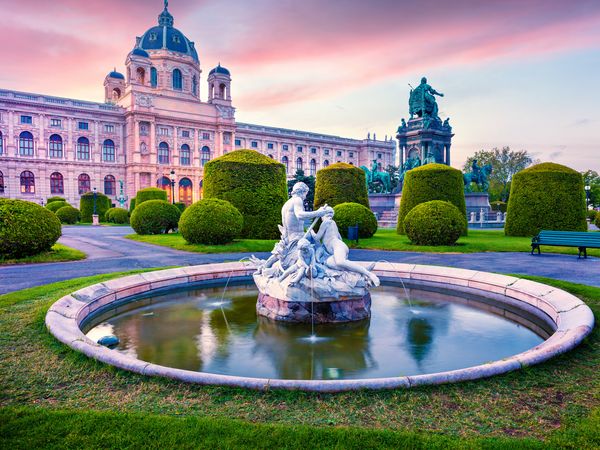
<point x="119" y="215"/>
<point x="254" y="184"/>
<point x="56" y="205"/>
<point x="26" y="228"/>
<point x="68" y="215"/>
<point x="180" y="206"/>
<point x="55" y="199"/>
<point x="86" y="206"/>
<point x="154" y="217"/>
<point x="211" y="221"/>
<point x="547" y="196"/>
<point x="131" y="205"/>
<point x="434" y="223"/>
<point x="498" y="206"/>
<point x="341" y="183"/>
<point x="108" y="214"/>
<point x="431" y="182"/>
<point x="349" y="214"/>
<point x="151" y="193"/>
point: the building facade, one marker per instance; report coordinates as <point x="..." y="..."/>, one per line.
<point x="153" y="123"/>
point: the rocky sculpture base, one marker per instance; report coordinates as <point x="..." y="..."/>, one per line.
<point x="335" y="310"/>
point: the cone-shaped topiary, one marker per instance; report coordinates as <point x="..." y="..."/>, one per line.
<point x="211" y="221"/>
<point x="431" y="182"/>
<point x="341" y="183"/>
<point x="56" y="205"/>
<point x="154" y="217"/>
<point x="151" y="193"/>
<point x="350" y="214"/>
<point x="254" y="184"/>
<point x="434" y="223"/>
<point x="68" y="215"/>
<point x="26" y="228"/>
<point x="546" y="196"/>
<point x="86" y="206"/>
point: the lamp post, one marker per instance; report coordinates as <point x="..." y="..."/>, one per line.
<point x="173" y="185"/>
<point x="95" y="220"/>
<point x="587" y="188"/>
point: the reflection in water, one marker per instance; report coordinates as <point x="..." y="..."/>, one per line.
<point x="192" y="330"/>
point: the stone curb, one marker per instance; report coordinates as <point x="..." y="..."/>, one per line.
<point x="570" y="318"/>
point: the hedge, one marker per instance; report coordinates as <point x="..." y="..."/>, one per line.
<point x="547" y="196"/>
<point x="117" y="215"/>
<point x="431" y="182"/>
<point x="211" y="221"/>
<point x="56" y="205"/>
<point x="154" y="217"/>
<point x="26" y="228"/>
<point x="55" y="199"/>
<point x="131" y="205"/>
<point x="86" y="206"/>
<point x="434" y="223"/>
<point x="350" y="214"/>
<point x="151" y="193"/>
<point x="253" y="183"/>
<point x="341" y="183"/>
<point x="68" y="214"/>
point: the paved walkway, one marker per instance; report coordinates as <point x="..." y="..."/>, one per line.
<point x="108" y="251"/>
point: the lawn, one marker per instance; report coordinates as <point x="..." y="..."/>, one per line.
<point x="58" y="253"/>
<point x="52" y="395"/>
<point x="384" y="239"/>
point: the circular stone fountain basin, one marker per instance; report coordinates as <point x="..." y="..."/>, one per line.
<point x="545" y="321"/>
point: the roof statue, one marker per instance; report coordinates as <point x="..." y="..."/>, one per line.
<point x="422" y="101"/>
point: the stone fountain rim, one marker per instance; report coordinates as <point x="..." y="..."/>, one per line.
<point x="571" y="319"/>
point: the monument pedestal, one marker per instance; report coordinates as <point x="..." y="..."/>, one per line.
<point x="476" y="201"/>
<point x="385" y="207"/>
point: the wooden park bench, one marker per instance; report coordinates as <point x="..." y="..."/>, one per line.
<point x="580" y="239"/>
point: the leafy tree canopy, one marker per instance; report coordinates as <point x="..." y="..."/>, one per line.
<point x="591" y="178"/>
<point x="310" y="182"/>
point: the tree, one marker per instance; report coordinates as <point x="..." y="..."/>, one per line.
<point x="591" y="178"/>
<point x="505" y="164"/>
<point x="310" y="182"/>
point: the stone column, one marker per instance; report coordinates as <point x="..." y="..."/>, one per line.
<point x="448" y="154"/>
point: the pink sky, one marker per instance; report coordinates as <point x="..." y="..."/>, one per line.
<point x="340" y="67"/>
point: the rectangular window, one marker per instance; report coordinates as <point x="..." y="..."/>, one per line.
<point x="338" y="153"/>
<point x="326" y="152"/>
<point x="270" y="145"/>
<point x="185" y="134"/>
<point x="26" y="119"/>
<point x="109" y="128"/>
<point x="205" y="136"/>
<point x="238" y="142"/>
<point x="254" y="144"/>
<point x="285" y="147"/>
<point x="55" y="123"/>
<point x="83" y="126"/>
<point x="313" y="150"/>
<point x="351" y="154"/>
<point x="144" y="126"/>
<point x="163" y="131"/>
<point x="299" y="148"/>
<point x="379" y="155"/>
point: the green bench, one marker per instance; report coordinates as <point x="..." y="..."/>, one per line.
<point x="580" y="239"/>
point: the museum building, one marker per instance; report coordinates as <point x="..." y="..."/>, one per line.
<point x="153" y="128"/>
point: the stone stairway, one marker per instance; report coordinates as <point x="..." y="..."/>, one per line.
<point x="388" y="218"/>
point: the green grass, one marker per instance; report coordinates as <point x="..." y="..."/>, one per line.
<point x="176" y="241"/>
<point x="51" y="395"/>
<point x="58" y="253"/>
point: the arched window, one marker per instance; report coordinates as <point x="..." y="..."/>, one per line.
<point x="108" y="150"/>
<point x="56" y="146"/>
<point x="110" y="185"/>
<point x="271" y="156"/>
<point x="116" y="94"/>
<point x="222" y="89"/>
<point x="26" y="144"/>
<point x="184" y="155"/>
<point x="299" y="164"/>
<point x="57" y="184"/>
<point x="153" y="77"/>
<point x="177" y="80"/>
<point x="164" y="183"/>
<point x="141" y="75"/>
<point x="27" y="182"/>
<point x="83" y="148"/>
<point x="325" y="163"/>
<point x="204" y="155"/>
<point x="1" y="182"/>
<point x="313" y="167"/>
<point x="185" y="191"/>
<point x="83" y="183"/>
<point x="163" y="153"/>
<point x="285" y="162"/>
<point x="195" y="85"/>
<point x="1" y="144"/>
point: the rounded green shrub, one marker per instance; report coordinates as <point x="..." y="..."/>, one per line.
<point x="591" y="215"/>
<point x="131" y="205"/>
<point x="154" y="217"/>
<point x="547" y="196"/>
<point x="254" y="184"/>
<point x="151" y="193"/>
<point x="341" y="183"/>
<point x="349" y="214"/>
<point x="211" y="221"/>
<point x="431" y="182"/>
<point x="108" y="214"/>
<point x="498" y="206"/>
<point x="55" y="199"/>
<point x="26" y="228"/>
<point x="68" y="215"/>
<point x="86" y="206"/>
<point x="119" y="215"/>
<point x="56" y="205"/>
<point x="434" y="223"/>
